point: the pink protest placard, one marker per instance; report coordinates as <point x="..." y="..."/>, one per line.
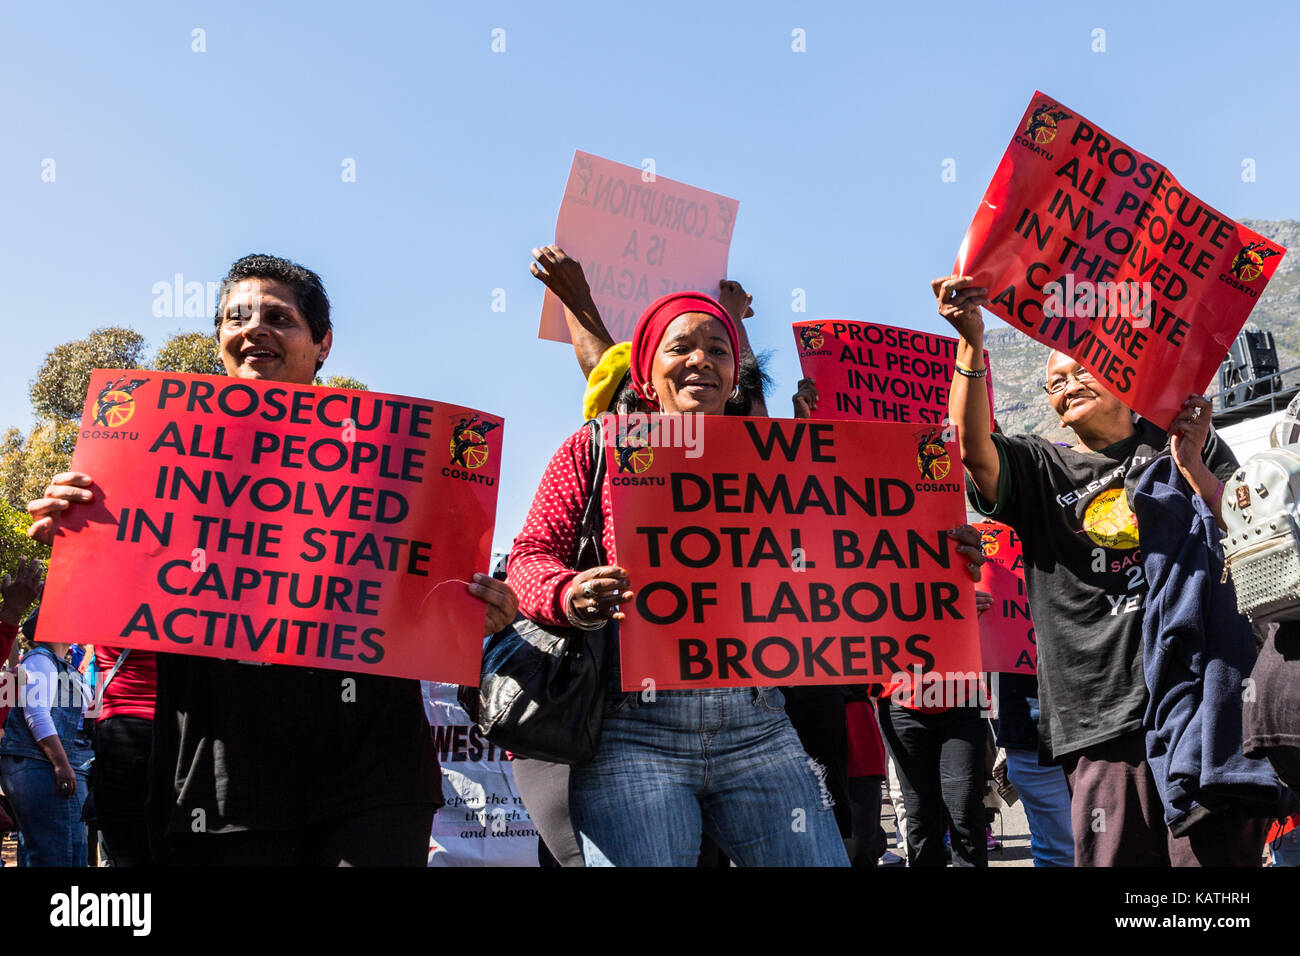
<point x="638" y="236"/>
<point x="1007" y="642"/>
<point x="878" y="373"/>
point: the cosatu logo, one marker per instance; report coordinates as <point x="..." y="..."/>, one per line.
<point x="932" y="459"/>
<point x="1248" y="264"/>
<point x="115" y="403"/>
<point x="635" y="456"/>
<point x="811" y="337"/>
<point x="989" y="541"/>
<point x="469" y="445"/>
<point x="1041" y="127"/>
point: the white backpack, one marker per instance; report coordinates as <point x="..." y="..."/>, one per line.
<point x="1261" y="547"/>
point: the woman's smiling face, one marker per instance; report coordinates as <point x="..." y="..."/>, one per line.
<point x="694" y="367"/>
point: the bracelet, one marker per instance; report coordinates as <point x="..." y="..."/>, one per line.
<point x="1214" y="500"/>
<point x="970" y="372"/>
<point x="579" y="623"/>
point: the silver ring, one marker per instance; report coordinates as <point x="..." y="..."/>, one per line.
<point x="588" y="590"/>
<point x="1196" y="412"/>
<point x="591" y="610"/>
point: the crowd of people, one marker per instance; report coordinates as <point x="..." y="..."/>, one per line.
<point x="199" y="761"/>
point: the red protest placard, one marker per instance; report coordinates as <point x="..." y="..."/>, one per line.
<point x="1007" y="641"/>
<point x="638" y="236"/>
<point x="282" y="523"/>
<point x="878" y="373"/>
<point x="776" y="551"/>
<point x="1094" y="249"/>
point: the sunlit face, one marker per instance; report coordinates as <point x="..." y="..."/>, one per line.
<point x="263" y="335"/>
<point x="1078" y="401"/>
<point x="694" y="366"/>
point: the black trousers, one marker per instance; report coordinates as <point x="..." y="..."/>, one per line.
<point x="868" y="843"/>
<point x="380" y="836"/>
<point x="119" y="783"/>
<point x="940" y="763"/>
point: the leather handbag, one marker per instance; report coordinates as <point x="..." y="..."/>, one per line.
<point x="542" y="691"/>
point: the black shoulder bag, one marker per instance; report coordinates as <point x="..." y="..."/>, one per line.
<point x="542" y="692"/>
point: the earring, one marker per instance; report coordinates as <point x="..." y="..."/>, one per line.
<point x="735" y="394"/>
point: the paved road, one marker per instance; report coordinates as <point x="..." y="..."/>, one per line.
<point x="1010" y="827"/>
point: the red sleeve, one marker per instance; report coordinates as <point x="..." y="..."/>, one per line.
<point x="7" y="634"/>
<point x="539" y="569"/>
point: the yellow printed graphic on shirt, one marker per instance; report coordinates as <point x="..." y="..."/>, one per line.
<point x="1110" y="522"/>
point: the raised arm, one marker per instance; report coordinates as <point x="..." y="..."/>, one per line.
<point x="968" y="404"/>
<point x="564" y="277"/>
<point x="1187" y="437"/>
<point x="733" y="297"/>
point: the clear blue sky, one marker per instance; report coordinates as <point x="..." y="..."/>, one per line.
<point x="169" y="161"/>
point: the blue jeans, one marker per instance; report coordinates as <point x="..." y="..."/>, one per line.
<point x="1286" y="849"/>
<point x="50" y="831"/>
<point x="725" y="762"/>
<point x="1047" y="807"/>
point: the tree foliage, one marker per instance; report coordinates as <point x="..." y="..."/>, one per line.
<point x="191" y="352"/>
<point x="14" y="543"/>
<point x="59" y="390"/>
<point x="341" y="381"/>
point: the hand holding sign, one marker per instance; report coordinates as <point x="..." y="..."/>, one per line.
<point x="959" y="303"/>
<point x="969" y="543"/>
<point x="596" y="593"/>
<point x="502" y="605"/>
<point x="65" y="489"/>
<point x="564" y="277"/>
<point x="805" y="400"/>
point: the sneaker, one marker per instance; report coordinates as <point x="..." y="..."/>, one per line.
<point x="890" y="858"/>
<point x="990" y="841"/>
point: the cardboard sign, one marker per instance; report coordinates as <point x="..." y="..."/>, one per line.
<point x="878" y="373"/>
<point x="1094" y="249"/>
<point x="1007" y="643"/>
<point x="290" y="524"/>
<point x="777" y="551"/>
<point x="638" y="236"/>
<point x="483" y="821"/>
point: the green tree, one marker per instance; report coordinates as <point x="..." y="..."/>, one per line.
<point x="341" y="381"/>
<point x="13" y="471"/>
<point x="60" y="387"/>
<point x="14" y="543"/>
<point x="192" y="352"/>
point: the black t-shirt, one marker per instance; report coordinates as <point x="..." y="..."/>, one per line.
<point x="1271" y="716"/>
<point x="276" y="748"/>
<point x="1083" y="571"/>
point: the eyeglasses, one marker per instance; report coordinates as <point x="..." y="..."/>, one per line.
<point x="1056" y="384"/>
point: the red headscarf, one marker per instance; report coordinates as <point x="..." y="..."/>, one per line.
<point x="654" y="322"/>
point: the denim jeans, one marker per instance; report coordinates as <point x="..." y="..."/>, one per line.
<point x="725" y="762"/>
<point x="50" y="831"/>
<point x="1046" y="797"/>
<point x="1286" y="849"/>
